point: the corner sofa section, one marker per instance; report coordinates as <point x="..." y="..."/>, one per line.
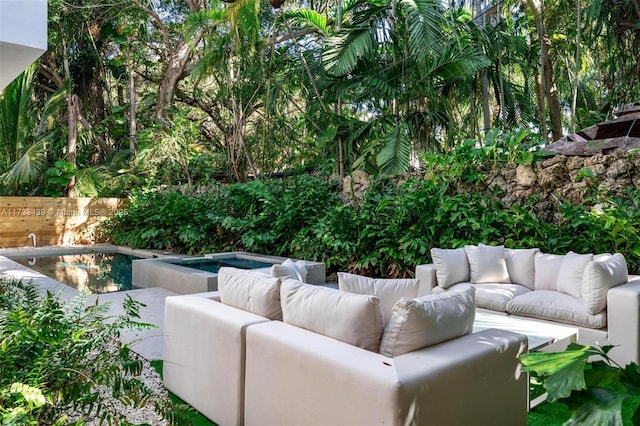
<point x="593" y="293"/>
<point x="327" y="358"/>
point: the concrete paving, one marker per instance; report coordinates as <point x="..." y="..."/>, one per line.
<point x="147" y="343"/>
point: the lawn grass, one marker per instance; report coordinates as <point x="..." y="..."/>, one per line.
<point x="192" y="417"/>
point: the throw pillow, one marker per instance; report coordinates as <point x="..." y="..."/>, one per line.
<point x="521" y="266"/>
<point x="571" y="271"/>
<point x="351" y="318"/>
<point x="289" y="268"/>
<point x="452" y="266"/>
<point x="547" y="267"/>
<point x="487" y="264"/>
<point x="389" y="291"/>
<point x="599" y="276"/>
<point x="426" y="321"/>
<point x="251" y="291"/>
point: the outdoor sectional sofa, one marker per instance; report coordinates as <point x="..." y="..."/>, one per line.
<point x="593" y="293"/>
<point x="267" y="350"/>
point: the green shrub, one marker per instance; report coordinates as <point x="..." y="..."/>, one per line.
<point x="58" y="358"/>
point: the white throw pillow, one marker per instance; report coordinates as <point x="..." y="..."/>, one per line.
<point x="428" y="320"/>
<point x="571" y="271"/>
<point x="452" y="266"/>
<point x="487" y="264"/>
<point x="289" y="268"/>
<point x="388" y="290"/>
<point x="547" y="267"/>
<point x="251" y="291"/>
<point x="604" y="273"/>
<point x="521" y="265"/>
<point x="351" y="318"/>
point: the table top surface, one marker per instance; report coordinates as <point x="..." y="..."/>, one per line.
<point x="539" y="334"/>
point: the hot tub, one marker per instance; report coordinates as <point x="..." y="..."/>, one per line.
<point x="198" y="275"/>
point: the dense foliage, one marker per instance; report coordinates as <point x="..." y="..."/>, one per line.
<point x="389" y="230"/>
<point x="138" y="94"/>
<point x="60" y="358"/>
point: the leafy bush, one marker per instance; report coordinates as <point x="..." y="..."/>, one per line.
<point x="58" y="358"/>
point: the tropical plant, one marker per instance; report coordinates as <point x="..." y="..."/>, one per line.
<point x="595" y="392"/>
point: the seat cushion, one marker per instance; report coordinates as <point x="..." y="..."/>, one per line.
<point x="555" y="306"/>
<point x="521" y="266"/>
<point x="604" y="273"/>
<point x="389" y="291"/>
<point x="428" y="320"/>
<point x="351" y="318"/>
<point x="452" y="266"/>
<point x="487" y="264"/>
<point x="251" y="291"/>
<point x="497" y="296"/>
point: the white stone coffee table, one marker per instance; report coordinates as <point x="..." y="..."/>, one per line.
<point x="540" y="334"/>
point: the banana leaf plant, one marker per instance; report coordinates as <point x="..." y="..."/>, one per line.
<point x="595" y="389"/>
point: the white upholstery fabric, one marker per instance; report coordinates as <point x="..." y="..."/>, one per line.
<point x="251" y="291"/>
<point x="547" y="267"/>
<point x="571" y="271"/>
<point x="351" y="318"/>
<point x="487" y="264"/>
<point x="452" y="266"/>
<point x="295" y="377"/>
<point x="289" y="268"/>
<point x="389" y="291"/>
<point x="521" y="266"/>
<point x="425" y="321"/>
<point x="497" y="296"/>
<point x="555" y="306"/>
<point x="604" y="273"/>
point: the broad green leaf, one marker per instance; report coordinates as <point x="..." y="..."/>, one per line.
<point x="597" y="406"/>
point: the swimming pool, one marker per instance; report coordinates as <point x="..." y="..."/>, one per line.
<point x="214" y="265"/>
<point x="95" y="272"/>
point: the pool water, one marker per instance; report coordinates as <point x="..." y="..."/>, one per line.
<point x="93" y="272"/>
<point x="214" y="265"/>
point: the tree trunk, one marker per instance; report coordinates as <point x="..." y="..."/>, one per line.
<point x="72" y="106"/>
<point x="133" y="145"/>
<point x="173" y="74"/>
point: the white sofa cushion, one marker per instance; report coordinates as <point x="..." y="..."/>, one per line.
<point x="452" y="266"/>
<point x="351" y="318"/>
<point x="571" y="271"/>
<point x="389" y="291"/>
<point x="547" y="267"/>
<point x="555" y="306"/>
<point x="490" y="296"/>
<point x="600" y="275"/>
<point x="521" y="266"/>
<point x="487" y="264"/>
<point x="428" y="320"/>
<point x="251" y="291"/>
<point x="289" y="268"/>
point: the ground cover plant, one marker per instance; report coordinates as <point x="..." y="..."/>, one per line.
<point x="59" y="358"/>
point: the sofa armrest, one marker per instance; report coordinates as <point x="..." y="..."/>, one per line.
<point x="623" y="321"/>
<point x="427" y="276"/>
<point x="204" y="349"/>
<point x="295" y="376"/>
<point x="211" y="295"/>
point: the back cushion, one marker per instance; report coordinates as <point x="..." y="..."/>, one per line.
<point x="604" y="273"/>
<point x="487" y="264"/>
<point x="547" y="267"/>
<point x="521" y="266"/>
<point x="251" y="291"/>
<point x="428" y="320"/>
<point x="351" y="318"/>
<point x="452" y="266"/>
<point x="571" y="271"/>
<point x="289" y="268"/>
<point x="389" y="291"/>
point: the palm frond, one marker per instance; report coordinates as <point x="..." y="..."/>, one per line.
<point x="27" y="167"/>
<point x="347" y="49"/>
<point x="308" y="18"/>
<point x="395" y="154"/>
<point x="425" y="23"/>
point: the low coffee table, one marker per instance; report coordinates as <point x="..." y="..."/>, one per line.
<point x="539" y="334"/>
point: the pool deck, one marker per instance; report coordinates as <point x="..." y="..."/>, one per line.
<point x="147" y="343"/>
